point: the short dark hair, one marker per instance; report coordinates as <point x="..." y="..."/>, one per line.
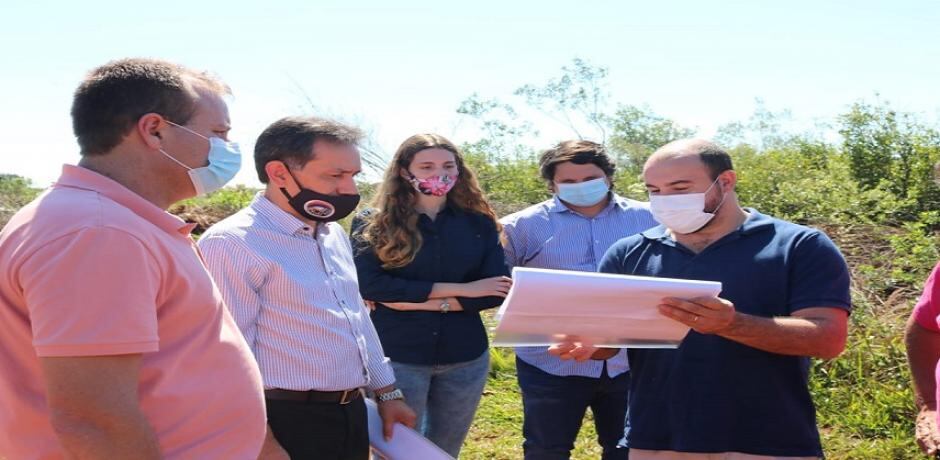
<point x="716" y="159"/>
<point x="108" y="103"/>
<point x="291" y="140"/>
<point x="578" y="152"/>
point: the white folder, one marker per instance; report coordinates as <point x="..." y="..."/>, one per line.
<point x="544" y="307"/>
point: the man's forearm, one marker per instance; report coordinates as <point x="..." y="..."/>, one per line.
<point x="787" y="335"/>
<point x="116" y="436"/>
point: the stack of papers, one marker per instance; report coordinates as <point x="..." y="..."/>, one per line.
<point x="545" y="307"/>
<point x="406" y="444"/>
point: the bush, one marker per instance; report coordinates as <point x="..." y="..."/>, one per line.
<point x="15" y="192"/>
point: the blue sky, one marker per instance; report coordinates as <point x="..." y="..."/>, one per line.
<point x="402" y="68"/>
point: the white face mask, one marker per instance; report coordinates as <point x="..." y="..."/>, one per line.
<point x="683" y="213"/>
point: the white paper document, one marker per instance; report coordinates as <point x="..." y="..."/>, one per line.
<point x="406" y="444"/>
<point x="615" y="311"/>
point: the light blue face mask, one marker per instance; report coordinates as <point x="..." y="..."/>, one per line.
<point x="225" y="159"/>
<point x="583" y="194"/>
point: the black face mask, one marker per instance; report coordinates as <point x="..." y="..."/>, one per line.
<point x="319" y="207"/>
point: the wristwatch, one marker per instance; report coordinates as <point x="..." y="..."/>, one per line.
<point x="390" y="395"/>
<point x="445" y="306"/>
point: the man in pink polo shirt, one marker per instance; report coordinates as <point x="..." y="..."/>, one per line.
<point x="114" y="341"/>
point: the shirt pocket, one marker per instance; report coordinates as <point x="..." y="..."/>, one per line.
<point x="465" y="255"/>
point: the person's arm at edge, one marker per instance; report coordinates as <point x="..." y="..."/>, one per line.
<point x="922" y="340"/>
<point x="923" y="353"/>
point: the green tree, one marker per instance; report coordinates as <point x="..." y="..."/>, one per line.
<point x="577" y="99"/>
<point x="762" y="130"/>
<point x="893" y="151"/>
<point x="636" y="132"/>
<point x="15" y="192"/>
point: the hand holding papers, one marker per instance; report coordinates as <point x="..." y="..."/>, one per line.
<point x="545" y="307"/>
<point x="406" y="444"/>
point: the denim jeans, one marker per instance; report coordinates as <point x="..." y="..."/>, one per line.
<point x="554" y="407"/>
<point x="445" y="398"/>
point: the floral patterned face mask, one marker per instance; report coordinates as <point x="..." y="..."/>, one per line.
<point x="434" y="185"/>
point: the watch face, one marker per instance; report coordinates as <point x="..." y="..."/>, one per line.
<point x="391" y="395"/>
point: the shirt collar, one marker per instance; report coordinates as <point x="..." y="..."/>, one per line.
<point x="449" y="209"/>
<point x="86" y="179"/>
<point x="754" y="223"/>
<point x="279" y="218"/>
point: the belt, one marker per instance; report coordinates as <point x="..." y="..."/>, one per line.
<point x="339" y="397"/>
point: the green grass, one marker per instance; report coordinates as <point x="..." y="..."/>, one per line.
<point x="497" y="429"/>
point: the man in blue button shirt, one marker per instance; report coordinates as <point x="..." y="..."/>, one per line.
<point x="572" y="231"/>
<point x="736" y="388"/>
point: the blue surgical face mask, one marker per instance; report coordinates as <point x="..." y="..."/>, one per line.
<point x="583" y="194"/>
<point x="225" y="159"/>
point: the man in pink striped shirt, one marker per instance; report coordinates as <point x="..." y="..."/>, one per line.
<point x="286" y="270"/>
<point x="114" y="342"/>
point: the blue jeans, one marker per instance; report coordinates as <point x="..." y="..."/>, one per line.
<point x="554" y="407"/>
<point x="445" y="398"/>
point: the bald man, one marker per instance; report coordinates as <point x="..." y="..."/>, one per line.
<point x="736" y="387"/>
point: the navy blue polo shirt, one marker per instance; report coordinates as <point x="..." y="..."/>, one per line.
<point x="713" y="394"/>
<point x="458" y="247"/>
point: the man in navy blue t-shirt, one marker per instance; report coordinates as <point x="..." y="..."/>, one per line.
<point x="737" y="384"/>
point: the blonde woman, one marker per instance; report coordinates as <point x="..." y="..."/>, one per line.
<point x="428" y="256"/>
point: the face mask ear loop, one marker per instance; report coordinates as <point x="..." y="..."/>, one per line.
<point x="175" y="160"/>
<point x="191" y="132"/>
<point x="283" y="189"/>
<point x="723" y="195"/>
<point x="186" y="129"/>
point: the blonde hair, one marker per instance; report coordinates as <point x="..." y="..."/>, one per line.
<point x="392" y="229"/>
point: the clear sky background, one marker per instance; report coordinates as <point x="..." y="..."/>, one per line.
<point x="400" y="68"/>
